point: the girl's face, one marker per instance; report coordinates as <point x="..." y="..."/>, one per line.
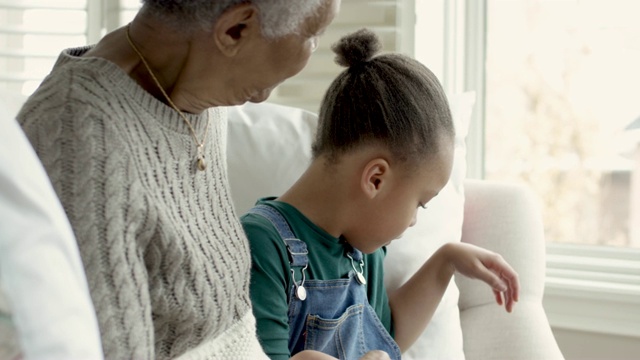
<point x="395" y="209"/>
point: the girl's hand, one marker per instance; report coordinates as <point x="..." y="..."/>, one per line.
<point x="478" y="263"/>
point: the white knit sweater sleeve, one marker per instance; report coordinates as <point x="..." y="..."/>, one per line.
<point x="105" y="215"/>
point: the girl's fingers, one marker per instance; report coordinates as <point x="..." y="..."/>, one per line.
<point x="508" y="301"/>
<point x="498" y="296"/>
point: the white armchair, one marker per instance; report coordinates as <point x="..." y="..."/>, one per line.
<point x="506" y="219"/>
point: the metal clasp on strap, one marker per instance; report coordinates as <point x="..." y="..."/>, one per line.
<point x="359" y="274"/>
<point x="296" y="248"/>
<point x="301" y="292"/>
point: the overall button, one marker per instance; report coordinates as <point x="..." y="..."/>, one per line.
<point x="301" y="293"/>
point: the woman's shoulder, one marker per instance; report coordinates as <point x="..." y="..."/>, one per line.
<point x="80" y="95"/>
<point x="71" y="86"/>
<point x="80" y="79"/>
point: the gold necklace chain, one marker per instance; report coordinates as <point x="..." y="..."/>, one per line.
<point x="200" y="161"/>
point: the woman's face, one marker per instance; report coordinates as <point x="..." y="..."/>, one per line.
<point x="270" y="62"/>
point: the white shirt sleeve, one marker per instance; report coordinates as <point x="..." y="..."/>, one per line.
<point x="41" y="274"/>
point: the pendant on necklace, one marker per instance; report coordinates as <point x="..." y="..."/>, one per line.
<point x="202" y="165"/>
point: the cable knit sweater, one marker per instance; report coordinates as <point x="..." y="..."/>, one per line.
<point x="166" y="259"/>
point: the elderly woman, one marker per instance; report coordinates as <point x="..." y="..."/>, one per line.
<point x="131" y="132"/>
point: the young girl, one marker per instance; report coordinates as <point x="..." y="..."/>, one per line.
<point x="383" y="150"/>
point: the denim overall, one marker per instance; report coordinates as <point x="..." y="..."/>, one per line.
<point x="330" y="316"/>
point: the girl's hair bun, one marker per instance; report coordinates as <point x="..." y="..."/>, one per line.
<point x="356" y="48"/>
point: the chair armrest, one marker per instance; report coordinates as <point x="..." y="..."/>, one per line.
<point x="505" y="218"/>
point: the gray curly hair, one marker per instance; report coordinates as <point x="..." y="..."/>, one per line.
<point x="277" y="17"/>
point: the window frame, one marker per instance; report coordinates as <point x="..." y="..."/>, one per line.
<point x="588" y="288"/>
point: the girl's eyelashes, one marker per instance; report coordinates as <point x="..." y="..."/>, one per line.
<point x="424" y="206"/>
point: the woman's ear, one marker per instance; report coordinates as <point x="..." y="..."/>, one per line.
<point x="235" y="26"/>
<point x="374" y="177"/>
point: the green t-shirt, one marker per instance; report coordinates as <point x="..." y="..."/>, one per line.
<point x="271" y="276"/>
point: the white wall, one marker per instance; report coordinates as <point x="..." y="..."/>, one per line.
<point x="578" y="345"/>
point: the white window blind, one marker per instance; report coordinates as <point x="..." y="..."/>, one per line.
<point x="33" y="32"/>
<point x="391" y="20"/>
<point x="126" y="10"/>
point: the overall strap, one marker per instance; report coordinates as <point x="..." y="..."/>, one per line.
<point x="356" y="254"/>
<point x="296" y="248"/>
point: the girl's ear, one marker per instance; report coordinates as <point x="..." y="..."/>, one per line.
<point x="374" y="177"/>
<point x="235" y="26"/>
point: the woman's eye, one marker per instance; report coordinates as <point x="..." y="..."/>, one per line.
<point x="424" y="206"/>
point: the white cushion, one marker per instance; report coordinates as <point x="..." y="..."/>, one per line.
<point x="269" y="147"/>
<point x="42" y="281"/>
<point x="11" y="102"/>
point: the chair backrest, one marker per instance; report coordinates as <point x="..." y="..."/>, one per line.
<point x="11" y="102"/>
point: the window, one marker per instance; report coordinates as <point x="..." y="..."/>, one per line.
<point x="561" y="95"/>
<point x="567" y="53"/>
<point x="33" y="32"/>
<point x="28" y="44"/>
<point x="561" y="103"/>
